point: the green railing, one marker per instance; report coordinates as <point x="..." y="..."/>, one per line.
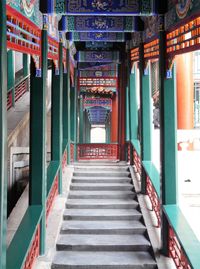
<point x="183" y="245"/>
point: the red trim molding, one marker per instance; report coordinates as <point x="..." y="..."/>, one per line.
<point x="34" y="251"/>
<point x="154" y="200"/>
<point x="98" y="151"/>
<point x="64" y="160"/>
<point x="51" y="197"/>
<point x="137" y="162"/>
<point x="176" y="251"/>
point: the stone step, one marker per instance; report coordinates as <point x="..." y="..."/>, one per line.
<point x="99" y="242"/>
<point x="103" y="227"/>
<point x="102" y="214"/>
<point x="101" y="187"/>
<point x="101" y="179"/>
<point x="101" y="203"/>
<point x="101" y="173"/>
<point x="101" y="168"/>
<point x="101" y="195"/>
<point x="100" y="163"/>
<point x="103" y="260"/>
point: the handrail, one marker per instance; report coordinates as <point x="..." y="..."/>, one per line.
<point x="20" y="81"/>
<point x="184" y="247"/>
<point x="98" y="151"/>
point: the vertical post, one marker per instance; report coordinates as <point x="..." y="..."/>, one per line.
<point x="108" y="130"/>
<point x="56" y="117"/>
<point x="11" y="73"/>
<point x="133" y="105"/>
<point x="168" y="143"/>
<point x="114" y="119"/>
<point x="25" y="65"/>
<point x="65" y="104"/>
<point x="81" y="120"/>
<point x="122" y="103"/>
<point x="68" y="108"/>
<point x="3" y="135"/>
<point x="11" y="69"/>
<point x="87" y="129"/>
<point x="145" y="101"/>
<point x="75" y="113"/>
<point x="37" y="188"/>
<point x="84" y="126"/>
<point x="72" y="114"/>
<point x="127" y="115"/>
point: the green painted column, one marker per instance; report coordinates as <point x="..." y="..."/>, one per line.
<point x="127" y="115"/>
<point x="65" y="105"/>
<point x="133" y="106"/>
<point x="25" y="65"/>
<point x="88" y="130"/>
<point x="75" y="113"/>
<point x="168" y="139"/>
<point x="11" y="69"/>
<point x="84" y="126"/>
<point x="3" y="135"/>
<point x="108" y="130"/>
<point x="68" y="108"/>
<point x="11" y="74"/>
<point x="57" y="113"/>
<point x="72" y="113"/>
<point x="146" y="126"/>
<point x="37" y="187"/>
<point x="81" y="120"/>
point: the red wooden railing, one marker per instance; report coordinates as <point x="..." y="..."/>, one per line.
<point x="154" y="200"/>
<point x="34" y="251"/>
<point x="137" y="161"/>
<point x="98" y="151"/>
<point x="52" y="195"/>
<point x="9" y="100"/>
<point x="64" y="160"/>
<point x="176" y="251"/>
<point x="21" y="88"/>
<point x="72" y="152"/>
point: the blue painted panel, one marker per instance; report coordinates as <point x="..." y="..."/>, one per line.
<point x="101" y="24"/>
<point x="97" y="73"/>
<point x="91" y="36"/>
<point x="98" y="56"/>
<point x="101" y="45"/>
<point x="102" y="6"/>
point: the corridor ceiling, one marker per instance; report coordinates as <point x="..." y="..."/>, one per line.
<point x="101" y="31"/>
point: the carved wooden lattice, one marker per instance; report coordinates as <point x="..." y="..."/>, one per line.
<point x="137" y="162"/>
<point x="72" y="152"/>
<point x="154" y="199"/>
<point x="52" y="195"/>
<point x="64" y="160"/>
<point x="34" y="251"/>
<point x="176" y="251"/>
<point x="98" y="151"/>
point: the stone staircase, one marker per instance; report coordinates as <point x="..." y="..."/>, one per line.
<point x="103" y="227"/>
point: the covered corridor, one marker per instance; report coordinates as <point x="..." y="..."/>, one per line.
<point x="100" y="106"/>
